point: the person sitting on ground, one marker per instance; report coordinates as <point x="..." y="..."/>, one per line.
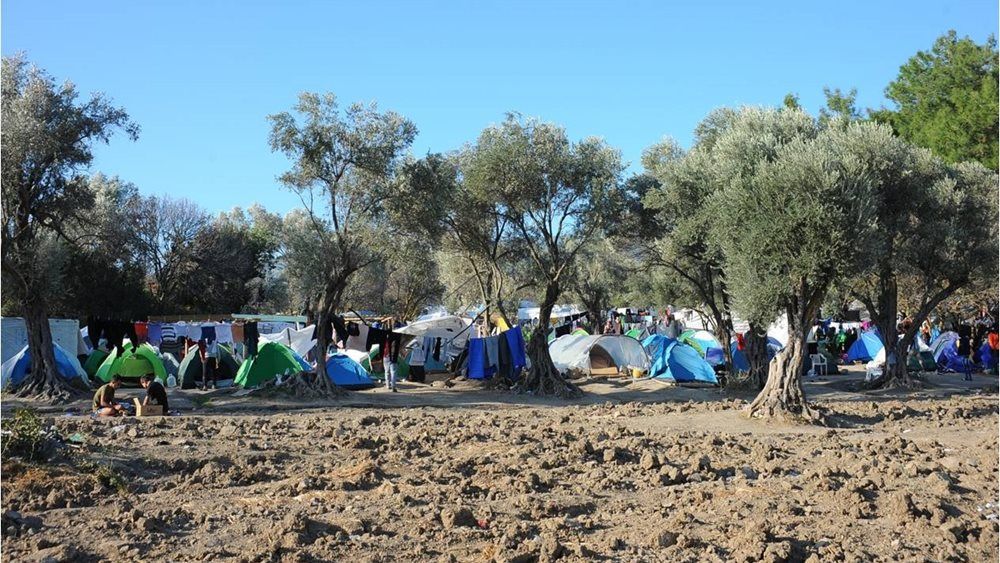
<point x="104" y="399"/>
<point x="156" y="394"/>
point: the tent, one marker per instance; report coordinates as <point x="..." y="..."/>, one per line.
<point x="271" y="360"/>
<point x="672" y="359"/>
<point x="347" y="373"/>
<point x="580" y="332"/>
<point x="16" y="368"/>
<point x="946" y="353"/>
<point x="597" y="354"/>
<point x="866" y="347"/>
<point x="439" y="326"/>
<point x="944" y="340"/>
<point x="189" y="371"/>
<point x="986" y="356"/>
<point x="94" y="361"/>
<point x="132" y="363"/>
<point x="921" y="361"/>
<point x="706" y="344"/>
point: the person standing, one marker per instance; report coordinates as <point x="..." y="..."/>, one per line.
<point x="390" y="367"/>
<point x="965" y="350"/>
<point x="207" y="364"/>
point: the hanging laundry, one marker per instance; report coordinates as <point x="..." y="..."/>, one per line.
<point x="515" y="339"/>
<point x="154" y="333"/>
<point x="492" y="351"/>
<point x="168" y="332"/>
<point x="340" y="329"/>
<point x="506" y="362"/>
<point x="375" y="336"/>
<point x="250" y="339"/>
<point x="224" y="333"/>
<point x="237" y="330"/>
<point x="437" y="349"/>
<point x="477" y="359"/>
<point x="141" y="332"/>
<point x="563" y="330"/>
<point x="208" y="333"/>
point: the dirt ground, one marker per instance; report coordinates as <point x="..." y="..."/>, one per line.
<point x="633" y="472"/>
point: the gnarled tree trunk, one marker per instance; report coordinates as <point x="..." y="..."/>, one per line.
<point x="44" y="382"/>
<point x="543" y="378"/>
<point x="325" y="310"/>
<point x="782" y="396"/>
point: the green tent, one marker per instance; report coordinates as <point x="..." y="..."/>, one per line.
<point x="94" y="361"/>
<point x="272" y="359"/>
<point x="634" y="333"/>
<point x="131" y="364"/>
<point x="580" y="332"/>
<point x="924" y="361"/>
<point x="189" y="372"/>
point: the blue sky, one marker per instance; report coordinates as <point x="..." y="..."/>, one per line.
<point x="201" y="77"/>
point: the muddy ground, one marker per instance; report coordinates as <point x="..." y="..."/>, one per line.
<point x="638" y="472"/>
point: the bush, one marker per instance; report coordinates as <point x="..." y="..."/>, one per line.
<point x="23" y="437"/>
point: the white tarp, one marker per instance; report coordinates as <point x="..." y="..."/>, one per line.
<point x="575" y="351"/>
<point x="448" y="327"/>
<point x="558" y="312"/>
<point x="301" y="340"/>
<point x="14" y="335"/>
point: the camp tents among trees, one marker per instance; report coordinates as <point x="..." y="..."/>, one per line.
<point x="768" y="213"/>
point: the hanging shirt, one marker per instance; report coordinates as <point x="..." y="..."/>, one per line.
<point x="141" y="332"/>
<point x="207" y="333"/>
<point x="224" y="333"/>
<point x="418" y="357"/>
<point x="237" y="332"/>
<point x="168" y="332"/>
<point x="154" y="333"/>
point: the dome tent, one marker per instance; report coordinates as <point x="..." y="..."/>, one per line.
<point x="271" y="360"/>
<point x="706" y="344"/>
<point x="189" y="371"/>
<point x="94" y="361"/>
<point x="866" y="347"/>
<point x="132" y="363"/>
<point x="672" y="359"/>
<point x="597" y="354"/>
<point x="347" y="373"/>
<point x="17" y="367"/>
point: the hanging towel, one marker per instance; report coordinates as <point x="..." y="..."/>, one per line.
<point x="250" y="339"/>
<point x="516" y="342"/>
<point x="154" y="333"/>
<point x="492" y="351"/>
<point x="477" y="359"/>
<point x="208" y="333"/>
<point x="237" y="330"/>
<point x="224" y="334"/>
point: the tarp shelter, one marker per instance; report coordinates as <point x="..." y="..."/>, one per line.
<point x="921" y="361"/>
<point x="558" y="312"/>
<point x="598" y="354"/>
<point x="271" y="359"/>
<point x="986" y="356"/>
<point x="347" y="373"/>
<point x="189" y="372"/>
<point x="94" y="361"/>
<point x="132" y="364"/>
<point x="944" y="340"/>
<point x="706" y="345"/>
<point x="16" y="368"/>
<point x="946" y="353"/>
<point x="866" y="347"/>
<point x="672" y="359"/>
<point x="14" y="335"/>
<point x="446" y="327"/>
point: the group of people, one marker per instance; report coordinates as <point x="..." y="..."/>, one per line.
<point x="105" y="403"/>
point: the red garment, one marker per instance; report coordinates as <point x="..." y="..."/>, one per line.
<point x="740" y="344"/>
<point x="141" y="332"/>
<point x="994" y="340"/>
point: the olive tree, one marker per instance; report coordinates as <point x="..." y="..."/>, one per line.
<point x="557" y="195"/>
<point x="795" y="205"/>
<point x="47" y="141"/>
<point x="344" y="169"/>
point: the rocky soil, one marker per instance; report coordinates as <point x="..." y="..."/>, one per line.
<point x="684" y="481"/>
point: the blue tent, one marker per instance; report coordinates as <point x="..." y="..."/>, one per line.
<point x="17" y="367"/>
<point x="347" y="373"/>
<point x="674" y="360"/>
<point x="986" y="355"/>
<point x="866" y="347"/>
<point x="302" y="361"/>
<point x="740" y="361"/>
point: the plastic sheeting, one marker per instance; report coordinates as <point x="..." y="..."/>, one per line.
<point x="577" y="351"/>
<point x="448" y="327"/>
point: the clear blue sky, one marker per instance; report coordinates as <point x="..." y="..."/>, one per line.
<point x="200" y="77"/>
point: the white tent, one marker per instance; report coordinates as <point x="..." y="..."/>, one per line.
<point x="598" y="354"/>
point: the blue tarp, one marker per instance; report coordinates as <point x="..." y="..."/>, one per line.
<point x="16" y="369"/>
<point x="347" y="373"/>
<point x="866" y="347"/>
<point x="740" y="362"/>
<point x="674" y="360"/>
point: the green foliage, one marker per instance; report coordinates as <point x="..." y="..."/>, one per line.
<point x="24" y="437"/>
<point x="946" y="99"/>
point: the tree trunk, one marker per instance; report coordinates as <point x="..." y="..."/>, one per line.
<point x="543" y="378"/>
<point x="782" y="396"/>
<point x="756" y="352"/>
<point x="44" y="382"/>
<point x="325" y="309"/>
